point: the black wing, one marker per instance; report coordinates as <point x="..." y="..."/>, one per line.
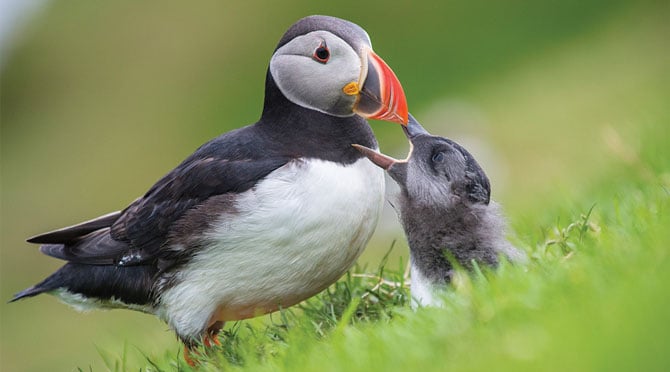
<point x="231" y="163"/>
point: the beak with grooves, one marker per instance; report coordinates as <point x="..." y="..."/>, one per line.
<point x="381" y="96"/>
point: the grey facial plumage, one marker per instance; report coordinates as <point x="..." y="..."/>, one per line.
<point x="311" y="83"/>
<point x="327" y="65"/>
<point x="439" y="167"/>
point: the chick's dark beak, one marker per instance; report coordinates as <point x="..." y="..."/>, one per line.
<point x="383" y="161"/>
<point x="381" y="96"/>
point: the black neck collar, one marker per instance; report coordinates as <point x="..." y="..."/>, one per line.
<point x="302" y="132"/>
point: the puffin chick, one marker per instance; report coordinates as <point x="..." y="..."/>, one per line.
<point x="445" y="209"/>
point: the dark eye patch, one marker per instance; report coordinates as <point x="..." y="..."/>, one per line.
<point x="441" y="160"/>
<point x="438" y="157"/>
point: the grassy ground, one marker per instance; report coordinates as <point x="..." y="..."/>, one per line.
<point x="593" y="298"/>
<point x="570" y="119"/>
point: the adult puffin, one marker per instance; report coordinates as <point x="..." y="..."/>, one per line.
<point x="258" y="218"/>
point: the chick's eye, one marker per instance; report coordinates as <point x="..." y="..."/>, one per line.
<point x="438" y="157"/>
<point x="321" y="54"/>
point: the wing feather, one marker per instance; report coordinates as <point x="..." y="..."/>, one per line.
<point x="231" y="163"/>
<point x="72" y="233"/>
<point x="96" y="248"/>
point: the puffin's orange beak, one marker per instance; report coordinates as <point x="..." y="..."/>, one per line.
<point x="381" y="96"/>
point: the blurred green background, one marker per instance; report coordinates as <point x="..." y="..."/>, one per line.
<point x="100" y="99"/>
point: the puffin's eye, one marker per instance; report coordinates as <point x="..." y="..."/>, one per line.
<point x="438" y="157"/>
<point x="321" y="54"/>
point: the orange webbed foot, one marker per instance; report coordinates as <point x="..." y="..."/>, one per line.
<point x="187" y="357"/>
<point x="209" y="339"/>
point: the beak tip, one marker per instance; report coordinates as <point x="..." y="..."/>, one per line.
<point x="401" y="118"/>
<point x="405" y="119"/>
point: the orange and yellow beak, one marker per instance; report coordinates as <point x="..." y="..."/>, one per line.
<point x="381" y="96"/>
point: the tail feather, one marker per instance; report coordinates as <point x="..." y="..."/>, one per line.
<point x="29" y="292"/>
<point x="131" y="285"/>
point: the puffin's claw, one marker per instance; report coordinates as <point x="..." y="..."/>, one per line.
<point x="210" y="339"/>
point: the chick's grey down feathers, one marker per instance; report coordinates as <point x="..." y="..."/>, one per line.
<point x="465" y="232"/>
<point x="445" y="207"/>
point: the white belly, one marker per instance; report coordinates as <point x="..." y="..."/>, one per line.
<point x="291" y="236"/>
<point x="424" y="293"/>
